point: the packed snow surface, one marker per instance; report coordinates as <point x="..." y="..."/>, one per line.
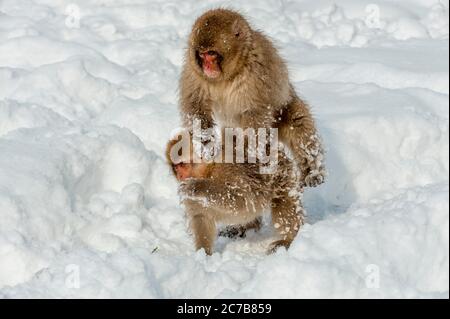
<point x="88" y="99"/>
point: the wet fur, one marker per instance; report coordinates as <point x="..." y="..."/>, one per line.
<point x="253" y="90"/>
<point x="238" y="194"/>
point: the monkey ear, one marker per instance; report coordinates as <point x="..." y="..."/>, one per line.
<point x="238" y="28"/>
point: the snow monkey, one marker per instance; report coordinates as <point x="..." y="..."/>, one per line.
<point x="233" y="77"/>
<point x="236" y="194"/>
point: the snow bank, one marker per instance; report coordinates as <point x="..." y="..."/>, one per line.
<point x="88" y="99"/>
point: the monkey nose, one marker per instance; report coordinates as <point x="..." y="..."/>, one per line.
<point x="208" y="55"/>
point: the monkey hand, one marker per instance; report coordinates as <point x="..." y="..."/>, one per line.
<point x="312" y="170"/>
<point x="314" y="178"/>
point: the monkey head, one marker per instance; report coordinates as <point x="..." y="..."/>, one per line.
<point x="220" y="42"/>
<point x="185" y="164"/>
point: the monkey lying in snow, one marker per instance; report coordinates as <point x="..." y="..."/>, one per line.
<point x="234" y="77"/>
<point x="237" y="194"/>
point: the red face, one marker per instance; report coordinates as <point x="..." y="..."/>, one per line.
<point x="210" y="63"/>
<point x="183" y="171"/>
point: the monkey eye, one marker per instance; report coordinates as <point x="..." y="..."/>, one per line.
<point x="237" y="34"/>
<point x="179" y="165"/>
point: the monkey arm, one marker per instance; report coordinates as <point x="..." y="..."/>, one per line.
<point x="254" y="118"/>
<point x="202" y="224"/>
<point x="211" y="191"/>
<point x="232" y="196"/>
<point x="297" y="130"/>
<point x="195" y="103"/>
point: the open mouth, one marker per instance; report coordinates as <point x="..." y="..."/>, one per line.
<point x="209" y="61"/>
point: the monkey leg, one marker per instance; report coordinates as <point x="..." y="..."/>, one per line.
<point x="254" y="224"/>
<point x="204" y="229"/>
<point x="202" y="225"/>
<point x="234" y="231"/>
<point x="287" y="218"/>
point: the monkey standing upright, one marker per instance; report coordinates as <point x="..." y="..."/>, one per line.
<point x="233" y="77"/>
<point x="237" y="194"/>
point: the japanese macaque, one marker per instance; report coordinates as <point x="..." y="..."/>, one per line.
<point x="234" y="77"/>
<point x="236" y="194"/>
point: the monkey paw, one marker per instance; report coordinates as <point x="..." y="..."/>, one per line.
<point x="314" y="178"/>
<point x="273" y="247"/>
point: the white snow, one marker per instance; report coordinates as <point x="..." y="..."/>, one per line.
<point x="88" y="98"/>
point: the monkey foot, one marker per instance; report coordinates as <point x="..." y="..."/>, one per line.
<point x="233" y="232"/>
<point x="273" y="247"/>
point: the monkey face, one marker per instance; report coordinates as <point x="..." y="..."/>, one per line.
<point x="210" y="63"/>
<point x="219" y="43"/>
<point x="184" y="171"/>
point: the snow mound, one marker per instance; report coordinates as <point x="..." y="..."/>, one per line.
<point x="88" y="99"/>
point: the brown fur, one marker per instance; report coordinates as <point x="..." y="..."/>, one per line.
<point x="237" y="194"/>
<point x="251" y="91"/>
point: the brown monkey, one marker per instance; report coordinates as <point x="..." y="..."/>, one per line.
<point x="234" y="77"/>
<point x="237" y="194"/>
<point x="185" y="169"/>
